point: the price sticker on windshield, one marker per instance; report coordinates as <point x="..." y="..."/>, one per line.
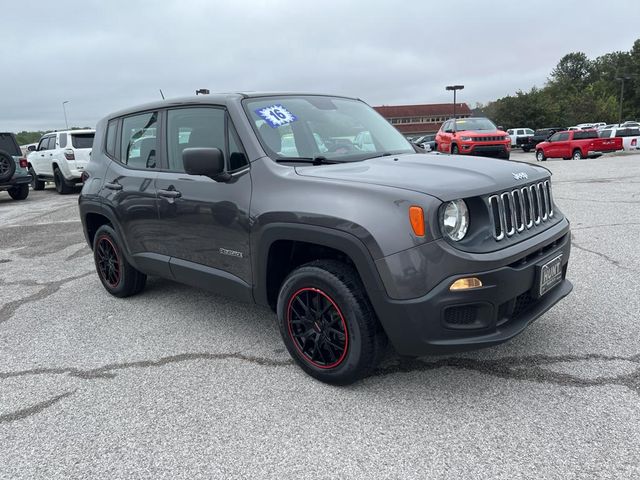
<point x="276" y="115"/>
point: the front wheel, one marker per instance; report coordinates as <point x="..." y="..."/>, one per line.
<point x="454" y="149"/>
<point x="327" y="322"/>
<point x="20" y="192"/>
<point x="117" y="275"/>
<point x="577" y="154"/>
<point x="540" y="156"/>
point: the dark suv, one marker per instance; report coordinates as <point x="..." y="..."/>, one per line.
<point x="269" y="198"/>
<point x="14" y="176"/>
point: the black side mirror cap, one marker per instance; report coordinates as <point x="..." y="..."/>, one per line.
<point x="31" y="148"/>
<point x="205" y="161"/>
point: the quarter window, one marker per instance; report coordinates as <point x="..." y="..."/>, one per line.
<point x="111" y="137"/>
<point x="62" y="139"/>
<point x="139" y="146"/>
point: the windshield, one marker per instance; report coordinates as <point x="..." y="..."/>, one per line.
<point x="338" y="129"/>
<point x="475" y="124"/>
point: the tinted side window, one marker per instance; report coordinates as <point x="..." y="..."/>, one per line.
<point x="139" y="146"/>
<point x="62" y="139"/>
<point x="191" y="128"/>
<point x="111" y="138"/>
<point x="605" y="133"/>
<point x="82" y="140"/>
<point x="51" y="143"/>
<point x="555" y="137"/>
<point x="582" y="134"/>
<point x="563" y="136"/>
<point x="43" y="144"/>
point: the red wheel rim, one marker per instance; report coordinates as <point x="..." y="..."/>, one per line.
<point x="317" y="328"/>
<point x="108" y="261"/>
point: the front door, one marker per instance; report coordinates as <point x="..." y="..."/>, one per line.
<point x="206" y="222"/>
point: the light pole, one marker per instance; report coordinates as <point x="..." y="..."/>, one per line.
<point x="455" y="88"/>
<point x="621" y="80"/>
<point x="64" y="109"/>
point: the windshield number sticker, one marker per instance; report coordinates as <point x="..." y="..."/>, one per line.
<point x="276" y="115"/>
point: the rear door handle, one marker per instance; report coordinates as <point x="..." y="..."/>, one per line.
<point x="113" y="186"/>
<point x="169" y="193"/>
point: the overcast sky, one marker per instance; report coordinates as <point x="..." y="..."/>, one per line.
<point x="105" y="55"/>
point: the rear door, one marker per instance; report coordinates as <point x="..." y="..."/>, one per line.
<point x="205" y="223"/>
<point x="129" y="187"/>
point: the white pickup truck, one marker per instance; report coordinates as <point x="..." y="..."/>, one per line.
<point x="61" y="157"/>
<point x="630" y="136"/>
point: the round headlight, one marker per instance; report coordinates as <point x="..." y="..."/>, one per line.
<point x="455" y="220"/>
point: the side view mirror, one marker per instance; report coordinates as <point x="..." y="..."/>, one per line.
<point x="500" y="127"/>
<point x="205" y="161"/>
<point x="31" y="148"/>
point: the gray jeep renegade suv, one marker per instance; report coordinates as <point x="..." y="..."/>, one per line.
<point x="318" y="207"/>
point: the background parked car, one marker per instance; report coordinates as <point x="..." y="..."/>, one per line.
<point x="576" y="144"/>
<point x="519" y="136"/>
<point x="473" y="136"/>
<point x="61" y="157"/>
<point x="14" y="177"/>
<point x="427" y="142"/>
<point x="630" y="136"/>
<point x="538" y="136"/>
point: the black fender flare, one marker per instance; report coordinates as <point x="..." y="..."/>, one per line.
<point x="345" y="242"/>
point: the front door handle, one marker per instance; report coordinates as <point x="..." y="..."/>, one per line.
<point x="169" y="193"/>
<point x="113" y="186"/>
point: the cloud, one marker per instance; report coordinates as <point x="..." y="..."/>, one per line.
<point x="103" y="56"/>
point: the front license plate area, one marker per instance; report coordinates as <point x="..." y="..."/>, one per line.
<point x="549" y="275"/>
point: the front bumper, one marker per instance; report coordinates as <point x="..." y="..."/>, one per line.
<point x="485" y="150"/>
<point x="446" y="321"/>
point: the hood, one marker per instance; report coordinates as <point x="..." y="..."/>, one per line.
<point x="488" y="133"/>
<point x="446" y="177"/>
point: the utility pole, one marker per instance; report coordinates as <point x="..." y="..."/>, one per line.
<point x="455" y="88"/>
<point x="64" y="109"/>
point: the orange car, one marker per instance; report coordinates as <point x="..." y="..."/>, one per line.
<point x="473" y="136"/>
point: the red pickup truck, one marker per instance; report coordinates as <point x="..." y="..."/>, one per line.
<point x="576" y="144"/>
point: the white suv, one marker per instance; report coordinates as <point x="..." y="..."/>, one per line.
<point x="61" y="157"/>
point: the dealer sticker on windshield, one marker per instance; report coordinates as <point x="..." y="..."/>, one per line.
<point x="276" y="115"/>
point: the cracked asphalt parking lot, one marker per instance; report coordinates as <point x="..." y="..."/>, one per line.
<point x="178" y="383"/>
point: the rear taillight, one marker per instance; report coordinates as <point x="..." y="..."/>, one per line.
<point x="23" y="163"/>
<point x="68" y="154"/>
<point x="85" y="176"/>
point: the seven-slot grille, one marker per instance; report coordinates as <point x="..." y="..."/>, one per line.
<point x="520" y="209"/>
<point x="488" y="139"/>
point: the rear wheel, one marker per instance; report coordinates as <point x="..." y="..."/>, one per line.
<point x="327" y="322"/>
<point x="540" y="156"/>
<point x="117" y="275"/>
<point x="526" y="149"/>
<point x="20" y="192"/>
<point x="577" y="154"/>
<point x="61" y="185"/>
<point x="35" y="183"/>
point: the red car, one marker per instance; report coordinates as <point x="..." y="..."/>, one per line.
<point x="576" y="144"/>
<point x="473" y="136"/>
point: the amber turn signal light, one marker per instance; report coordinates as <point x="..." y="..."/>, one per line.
<point x="466" y="283"/>
<point x="416" y="216"/>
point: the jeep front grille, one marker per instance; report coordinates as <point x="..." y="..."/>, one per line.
<point x="521" y="209"/>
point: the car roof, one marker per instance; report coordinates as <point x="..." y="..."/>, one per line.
<point x="215" y="99"/>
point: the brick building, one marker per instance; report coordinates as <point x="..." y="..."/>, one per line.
<point x="414" y="120"/>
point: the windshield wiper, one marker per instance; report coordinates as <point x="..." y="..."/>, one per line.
<point x="319" y="160"/>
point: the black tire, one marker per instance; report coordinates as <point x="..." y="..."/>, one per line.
<point x="35" y="183"/>
<point x="7" y="166"/>
<point x="346" y="308"/>
<point x="435" y="147"/>
<point x="540" y="156"/>
<point x="117" y="275"/>
<point x="505" y="156"/>
<point x="577" y="154"/>
<point x="454" y="149"/>
<point x="526" y="150"/>
<point x="19" y="192"/>
<point x="61" y="185"/>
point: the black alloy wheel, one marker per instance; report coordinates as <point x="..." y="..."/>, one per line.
<point x="317" y="328"/>
<point x="108" y="261"/>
